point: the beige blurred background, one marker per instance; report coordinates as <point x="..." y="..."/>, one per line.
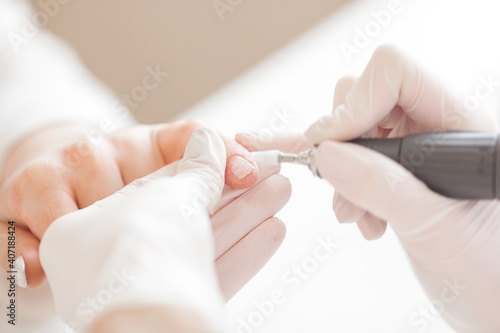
<point x="202" y="44"/>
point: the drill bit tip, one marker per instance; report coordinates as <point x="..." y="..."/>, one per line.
<point x="267" y="156"/>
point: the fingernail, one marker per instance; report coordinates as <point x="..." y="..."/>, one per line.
<point x="247" y="138"/>
<point x="337" y="204"/>
<point x="20" y="268"/>
<point x="240" y="167"/>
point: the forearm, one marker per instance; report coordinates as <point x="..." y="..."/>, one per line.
<point x="44" y="85"/>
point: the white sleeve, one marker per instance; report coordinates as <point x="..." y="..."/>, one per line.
<point x="43" y="83"/>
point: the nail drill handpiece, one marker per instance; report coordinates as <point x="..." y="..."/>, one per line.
<point x="464" y="165"/>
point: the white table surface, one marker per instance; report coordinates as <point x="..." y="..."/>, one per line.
<point x="362" y="286"/>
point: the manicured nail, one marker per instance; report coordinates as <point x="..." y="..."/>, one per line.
<point x="20" y="268"/>
<point x="240" y="167"/>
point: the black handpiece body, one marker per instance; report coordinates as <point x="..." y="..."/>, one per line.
<point x="456" y="164"/>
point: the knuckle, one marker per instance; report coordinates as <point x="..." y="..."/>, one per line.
<point x="85" y="157"/>
<point x="345" y="82"/>
<point x="31" y="181"/>
<point x="190" y="125"/>
<point x="75" y="154"/>
<point x="387" y="56"/>
<point x="386" y="52"/>
<point x="35" y="173"/>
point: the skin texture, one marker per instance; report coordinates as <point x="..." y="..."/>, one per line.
<point x="53" y="172"/>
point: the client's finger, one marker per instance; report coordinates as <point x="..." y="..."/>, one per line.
<point x="242" y="261"/>
<point x="142" y="150"/>
<point x="172" y="138"/>
<point x="36" y="197"/>
<point x="96" y="176"/>
<point x="26" y="249"/>
<point x="240" y="172"/>
<point x="287" y="141"/>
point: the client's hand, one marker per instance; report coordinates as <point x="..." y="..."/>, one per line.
<point x="45" y="178"/>
<point x="141" y="260"/>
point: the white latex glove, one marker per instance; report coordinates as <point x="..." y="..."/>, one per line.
<point x="150" y="243"/>
<point x="453" y="245"/>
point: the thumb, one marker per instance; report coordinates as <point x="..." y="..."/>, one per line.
<point x="380" y="185"/>
<point x="203" y="165"/>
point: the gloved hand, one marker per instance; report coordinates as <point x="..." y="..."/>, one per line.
<point x="453" y="245"/>
<point x="47" y="177"/>
<point x="149" y="244"/>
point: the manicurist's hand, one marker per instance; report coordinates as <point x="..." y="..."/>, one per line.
<point x="453" y="245"/>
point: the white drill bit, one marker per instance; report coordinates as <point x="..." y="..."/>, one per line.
<point x="276" y="157"/>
